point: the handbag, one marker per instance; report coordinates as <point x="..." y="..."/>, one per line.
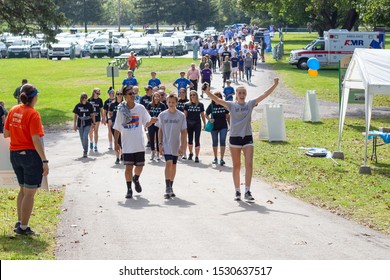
<point x="209" y="125"/>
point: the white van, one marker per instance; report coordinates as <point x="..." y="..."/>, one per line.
<point x="336" y="44"/>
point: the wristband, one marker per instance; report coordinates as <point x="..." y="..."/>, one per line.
<point x="45" y="161"/>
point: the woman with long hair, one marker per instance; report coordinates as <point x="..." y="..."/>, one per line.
<point x="194" y="112"/>
<point x="23" y="125"/>
<point x="97" y="104"/>
<point x="241" y="139"/>
<point x="112" y="111"/>
<point x="155" y="108"/>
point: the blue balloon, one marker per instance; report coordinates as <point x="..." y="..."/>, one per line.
<point x="313" y="63"/>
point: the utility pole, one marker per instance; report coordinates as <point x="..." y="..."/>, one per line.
<point x="85" y="18"/>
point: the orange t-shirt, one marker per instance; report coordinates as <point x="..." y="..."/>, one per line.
<point x="132" y="62"/>
<point x="22" y="122"/>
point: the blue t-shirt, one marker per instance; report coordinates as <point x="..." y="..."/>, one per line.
<point x="213" y="52"/>
<point x="228" y="92"/>
<point x="130" y="82"/>
<point x="241" y="61"/>
<point x="182" y="83"/>
<point x="237" y="48"/>
<point x="206" y="74"/>
<point x="154" y="83"/>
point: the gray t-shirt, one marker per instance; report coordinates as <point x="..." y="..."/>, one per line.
<point x="248" y="62"/>
<point x="240" y="118"/>
<point x="171" y="124"/>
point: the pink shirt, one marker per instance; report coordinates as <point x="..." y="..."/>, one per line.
<point x="193" y="74"/>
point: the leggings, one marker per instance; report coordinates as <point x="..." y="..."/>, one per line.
<point x="214" y="60"/>
<point x="153" y="132"/>
<point x="194" y="128"/>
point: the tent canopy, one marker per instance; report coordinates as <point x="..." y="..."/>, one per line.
<point x="369" y="71"/>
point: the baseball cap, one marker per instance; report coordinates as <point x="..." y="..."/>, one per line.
<point x="228" y="81"/>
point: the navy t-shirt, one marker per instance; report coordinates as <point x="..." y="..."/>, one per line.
<point x="219" y="115"/>
<point x="83" y="111"/>
<point x="145" y="100"/>
<point x="154" y="111"/>
<point x="234" y="62"/>
<point x="181" y="104"/>
<point x="193" y="112"/>
<point x="114" y="109"/>
<point x="97" y="104"/>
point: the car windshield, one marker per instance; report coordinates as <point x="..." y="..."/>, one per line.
<point x="101" y="40"/>
<point x="309" y="45"/>
<point x="19" y="43"/>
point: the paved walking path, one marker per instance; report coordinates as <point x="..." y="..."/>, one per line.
<point x="203" y="221"/>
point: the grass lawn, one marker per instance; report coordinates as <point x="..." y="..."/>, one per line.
<point x="44" y="220"/>
<point x="61" y="82"/>
<point x="362" y="198"/>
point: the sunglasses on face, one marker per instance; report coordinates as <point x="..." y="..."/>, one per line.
<point x="119" y="94"/>
<point x="128" y="93"/>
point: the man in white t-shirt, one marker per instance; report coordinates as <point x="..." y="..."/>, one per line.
<point x="130" y="121"/>
<point x="172" y="137"/>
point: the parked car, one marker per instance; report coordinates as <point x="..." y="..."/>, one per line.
<point x="3" y="50"/>
<point x="65" y="48"/>
<point x="144" y="45"/>
<point x="172" y="46"/>
<point x="102" y="47"/>
<point x="26" y="47"/>
<point x="44" y="49"/>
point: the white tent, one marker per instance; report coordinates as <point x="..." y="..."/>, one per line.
<point x="369" y="70"/>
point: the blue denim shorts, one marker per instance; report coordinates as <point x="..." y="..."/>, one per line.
<point x="28" y="168"/>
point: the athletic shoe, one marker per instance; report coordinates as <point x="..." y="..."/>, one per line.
<point x="91" y="145"/>
<point x="248" y="196"/>
<point x="16" y="226"/>
<point x="152" y="156"/>
<point x="167" y="196"/>
<point x="215" y="161"/>
<point x="196" y="159"/>
<point x="95" y="149"/>
<point x="137" y="185"/>
<point x="158" y="156"/>
<point x="184" y="156"/>
<point x="85" y="154"/>
<point x="129" y="193"/>
<point x="190" y="156"/>
<point x="27" y="231"/>
<point x="117" y="161"/>
<point x="238" y="196"/>
<point x="172" y="194"/>
<point x="110" y="146"/>
<point x="222" y="162"/>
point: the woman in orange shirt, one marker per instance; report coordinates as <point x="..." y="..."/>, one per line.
<point x="23" y="125"/>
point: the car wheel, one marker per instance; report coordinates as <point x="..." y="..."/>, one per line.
<point x="302" y="64"/>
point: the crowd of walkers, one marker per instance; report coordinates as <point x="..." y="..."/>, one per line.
<point x="170" y="125"/>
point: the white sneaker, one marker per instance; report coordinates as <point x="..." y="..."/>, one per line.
<point x="158" y="156"/>
<point x="153" y="154"/>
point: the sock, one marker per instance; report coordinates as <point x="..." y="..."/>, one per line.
<point x="128" y="185"/>
<point x="171" y="183"/>
<point x="237" y="189"/>
<point x="136" y="177"/>
<point x="247" y="189"/>
<point x="23" y="227"/>
<point x="167" y="185"/>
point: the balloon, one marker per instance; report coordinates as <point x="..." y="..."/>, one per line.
<point x="313" y="63"/>
<point x="312" y="73"/>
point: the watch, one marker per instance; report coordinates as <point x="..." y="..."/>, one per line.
<point x="45" y="161"/>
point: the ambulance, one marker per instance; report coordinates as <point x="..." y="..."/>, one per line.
<point x="336" y="44"/>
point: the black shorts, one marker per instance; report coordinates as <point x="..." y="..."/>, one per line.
<point x="137" y="159"/>
<point x="28" y="168"/>
<point x="171" y="157"/>
<point x="241" y="142"/>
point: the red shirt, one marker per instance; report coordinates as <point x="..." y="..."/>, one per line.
<point x="23" y="122"/>
<point x="132" y="62"/>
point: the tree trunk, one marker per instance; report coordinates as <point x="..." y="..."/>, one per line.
<point x="351" y="19"/>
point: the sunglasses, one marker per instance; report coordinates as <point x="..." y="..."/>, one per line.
<point x="119" y="94"/>
<point x="128" y="93"/>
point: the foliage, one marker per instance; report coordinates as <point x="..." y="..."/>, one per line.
<point x="31" y="17"/>
<point x="374" y="13"/>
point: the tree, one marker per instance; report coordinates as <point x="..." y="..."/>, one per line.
<point x="82" y="11"/>
<point x="31" y="17"/>
<point x="154" y="11"/>
<point x="374" y="13"/>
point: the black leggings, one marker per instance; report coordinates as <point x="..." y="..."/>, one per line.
<point x="194" y="128"/>
<point x="153" y="132"/>
<point x="214" y="60"/>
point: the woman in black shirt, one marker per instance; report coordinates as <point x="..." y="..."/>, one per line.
<point x="84" y="118"/>
<point x="182" y="99"/>
<point x="106" y="106"/>
<point x="219" y="116"/>
<point x="155" y="107"/>
<point x="112" y="109"/>
<point x="97" y="104"/>
<point x="194" y="111"/>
